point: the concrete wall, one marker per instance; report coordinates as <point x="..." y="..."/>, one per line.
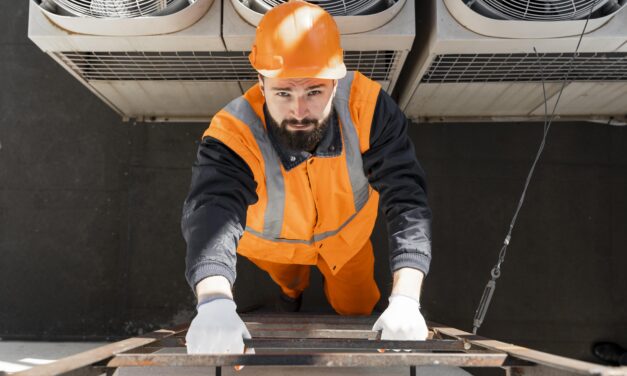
<point x="90" y="245"/>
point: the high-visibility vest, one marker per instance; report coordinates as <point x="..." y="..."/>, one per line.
<point x="322" y="207"/>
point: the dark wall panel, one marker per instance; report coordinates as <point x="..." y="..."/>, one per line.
<point x="560" y="288"/>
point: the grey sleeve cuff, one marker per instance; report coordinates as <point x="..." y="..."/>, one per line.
<point x="410" y="239"/>
<point x="414" y="260"/>
<point x="208" y="269"/>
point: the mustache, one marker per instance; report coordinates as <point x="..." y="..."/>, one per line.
<point x="302" y="122"/>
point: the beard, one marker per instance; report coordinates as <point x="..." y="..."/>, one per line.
<point x="299" y="140"/>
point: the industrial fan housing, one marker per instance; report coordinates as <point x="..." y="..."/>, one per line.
<point x="474" y="67"/>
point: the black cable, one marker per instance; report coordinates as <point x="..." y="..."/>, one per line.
<point x="495" y="273"/>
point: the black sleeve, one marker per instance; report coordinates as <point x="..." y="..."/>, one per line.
<point x="214" y="213"/>
<point x="394" y="171"/>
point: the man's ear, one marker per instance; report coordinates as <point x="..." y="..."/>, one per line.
<point x="260" y="78"/>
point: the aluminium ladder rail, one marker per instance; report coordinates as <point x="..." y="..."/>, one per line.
<point x="323" y="341"/>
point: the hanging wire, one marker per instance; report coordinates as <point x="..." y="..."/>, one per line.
<point x="495" y="273"/>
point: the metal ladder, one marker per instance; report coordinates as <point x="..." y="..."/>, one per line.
<point x="299" y="340"/>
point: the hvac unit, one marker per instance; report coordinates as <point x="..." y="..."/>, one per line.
<point x="147" y="59"/>
<point x="477" y="61"/>
<point x="376" y="34"/>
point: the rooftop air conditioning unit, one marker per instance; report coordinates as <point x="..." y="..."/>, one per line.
<point x="376" y="34"/>
<point x="477" y="60"/>
<point x="161" y="60"/>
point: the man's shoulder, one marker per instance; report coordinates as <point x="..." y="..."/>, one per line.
<point x="236" y="126"/>
<point x="363" y="79"/>
<point x="363" y="88"/>
<point x="233" y="136"/>
<point x="243" y="112"/>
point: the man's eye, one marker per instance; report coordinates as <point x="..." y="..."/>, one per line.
<point x="314" y="92"/>
<point x="283" y="94"/>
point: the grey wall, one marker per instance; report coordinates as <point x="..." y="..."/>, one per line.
<point x="90" y="245"/>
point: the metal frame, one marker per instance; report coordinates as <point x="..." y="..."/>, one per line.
<point x="323" y="341"/>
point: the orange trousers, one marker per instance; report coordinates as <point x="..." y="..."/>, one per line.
<point x="352" y="291"/>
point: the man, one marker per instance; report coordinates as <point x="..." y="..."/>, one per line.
<point x="291" y="174"/>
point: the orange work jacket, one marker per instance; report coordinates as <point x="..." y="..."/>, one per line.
<point x="323" y="207"/>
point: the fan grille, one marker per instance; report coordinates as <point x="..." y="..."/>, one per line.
<point x="549" y="67"/>
<point x="203" y="66"/>
<point x="334" y="7"/>
<point x="114" y="8"/>
<point x="538" y="10"/>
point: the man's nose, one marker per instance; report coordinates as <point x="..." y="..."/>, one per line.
<point x="300" y="108"/>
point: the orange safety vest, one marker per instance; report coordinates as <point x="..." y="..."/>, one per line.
<point x="325" y="205"/>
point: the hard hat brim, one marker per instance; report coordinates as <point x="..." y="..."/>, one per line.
<point x="334" y="73"/>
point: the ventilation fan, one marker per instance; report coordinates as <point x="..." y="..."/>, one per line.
<point x="115" y="8"/>
<point x="543" y="10"/>
<point x="182" y="75"/>
<point x="474" y="67"/>
<point x="123" y="17"/>
<point x="351" y="16"/>
<point x="334" y="7"/>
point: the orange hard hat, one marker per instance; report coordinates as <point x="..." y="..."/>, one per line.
<point x="298" y="40"/>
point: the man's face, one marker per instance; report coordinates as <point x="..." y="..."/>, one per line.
<point x="299" y="109"/>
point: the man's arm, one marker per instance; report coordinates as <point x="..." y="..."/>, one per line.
<point x="214" y="217"/>
<point x="394" y="171"/>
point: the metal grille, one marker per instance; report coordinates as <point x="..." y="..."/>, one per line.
<point x="118" y="8"/>
<point x="202" y="66"/>
<point x="527" y="67"/>
<point x="541" y="10"/>
<point x="334" y="7"/>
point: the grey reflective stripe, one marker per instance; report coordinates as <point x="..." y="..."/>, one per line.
<point x="315" y="238"/>
<point x="327" y="234"/>
<point x="273" y="217"/>
<point x="278" y="240"/>
<point x="359" y="182"/>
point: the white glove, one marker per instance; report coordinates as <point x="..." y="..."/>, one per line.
<point x="402" y="320"/>
<point x="217" y="329"/>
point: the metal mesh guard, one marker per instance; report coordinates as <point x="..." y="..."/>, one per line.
<point x="202" y="66"/>
<point x="527" y="67"/>
<point x="538" y="10"/>
<point x="334" y="7"/>
<point x="115" y="8"/>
